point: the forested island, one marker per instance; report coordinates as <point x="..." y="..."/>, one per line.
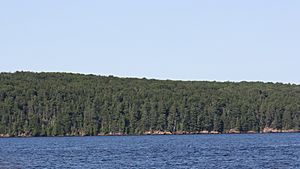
<point x="66" y="104"/>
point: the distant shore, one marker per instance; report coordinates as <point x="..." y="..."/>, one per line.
<point x="157" y="132"/>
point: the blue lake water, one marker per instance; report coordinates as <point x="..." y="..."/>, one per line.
<point x="240" y="151"/>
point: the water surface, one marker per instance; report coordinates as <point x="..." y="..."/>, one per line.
<point x="168" y="151"/>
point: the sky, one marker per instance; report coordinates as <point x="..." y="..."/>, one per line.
<point x="230" y="40"/>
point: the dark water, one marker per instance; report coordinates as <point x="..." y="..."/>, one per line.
<point x="184" y="151"/>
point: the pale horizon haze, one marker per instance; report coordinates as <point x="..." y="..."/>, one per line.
<point x="171" y="39"/>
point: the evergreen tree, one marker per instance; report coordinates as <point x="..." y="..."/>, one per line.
<point x="51" y="104"/>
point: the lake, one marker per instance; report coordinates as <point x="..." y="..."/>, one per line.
<point x="240" y="151"/>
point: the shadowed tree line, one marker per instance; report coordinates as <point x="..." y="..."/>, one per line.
<point x="51" y="104"/>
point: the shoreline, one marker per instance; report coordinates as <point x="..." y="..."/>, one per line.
<point x="154" y="133"/>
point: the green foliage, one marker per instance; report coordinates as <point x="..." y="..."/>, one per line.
<point x="52" y="104"/>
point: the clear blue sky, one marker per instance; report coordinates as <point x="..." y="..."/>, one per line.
<point x="165" y="39"/>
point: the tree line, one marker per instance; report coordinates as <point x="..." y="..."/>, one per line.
<point x="56" y="104"/>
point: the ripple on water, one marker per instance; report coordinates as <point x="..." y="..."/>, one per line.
<point x="184" y="151"/>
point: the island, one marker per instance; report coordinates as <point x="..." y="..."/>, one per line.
<point x="70" y="104"/>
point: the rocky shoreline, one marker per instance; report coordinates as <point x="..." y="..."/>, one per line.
<point x="157" y="132"/>
<point x="231" y="131"/>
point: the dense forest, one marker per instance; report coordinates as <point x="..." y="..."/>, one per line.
<point x="56" y="104"/>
